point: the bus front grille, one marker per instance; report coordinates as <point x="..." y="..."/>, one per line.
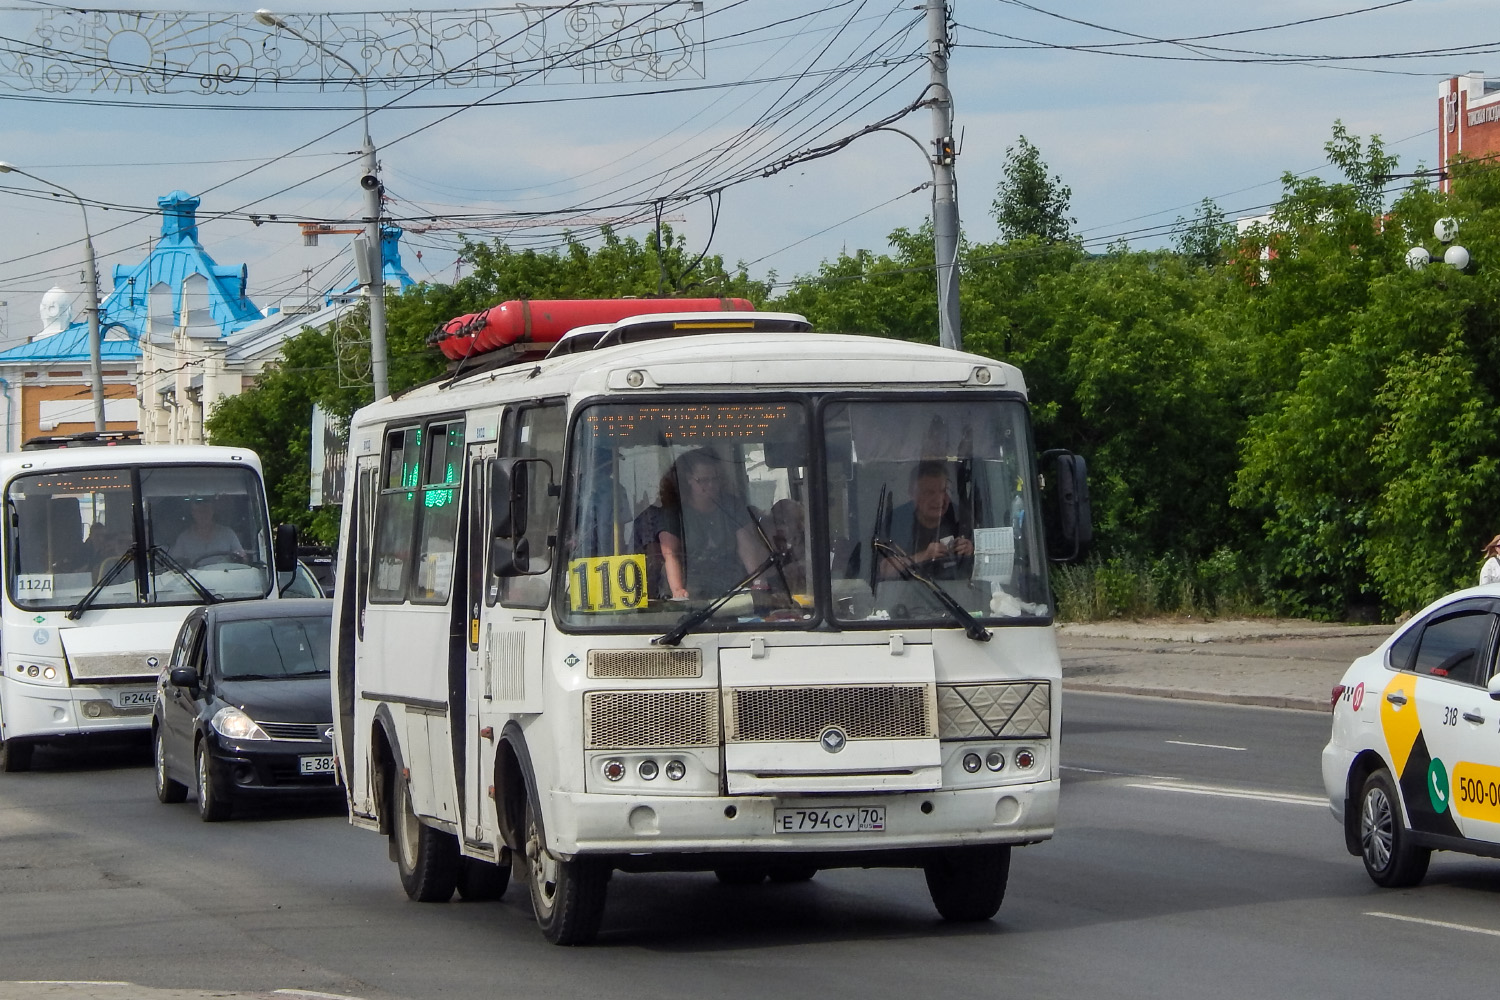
<point x="861" y="712"/>
<point x="1017" y="710"/>
<point x="111" y="665"/>
<point x="645" y="663"/>
<point x="639" y="720"/>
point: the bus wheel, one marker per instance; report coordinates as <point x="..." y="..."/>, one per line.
<point x="167" y="790"/>
<point x="968" y="883"/>
<point x="213" y="806"/>
<point x="426" y="858"/>
<point x="567" y="897"/>
<point x="15" y="756"/>
<point x="478" y="880"/>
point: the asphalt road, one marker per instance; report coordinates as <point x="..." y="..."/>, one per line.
<point x="1195" y="858"/>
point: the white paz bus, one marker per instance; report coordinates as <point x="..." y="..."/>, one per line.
<point x="701" y="592"/>
<point x="106" y="550"/>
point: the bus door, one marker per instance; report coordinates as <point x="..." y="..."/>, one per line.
<point x="479" y="751"/>
<point x="367" y="486"/>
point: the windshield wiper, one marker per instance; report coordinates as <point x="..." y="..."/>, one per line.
<point x="904" y="566"/>
<point x="208" y="595"/>
<point x="77" y="610"/>
<point x="703" y="614"/>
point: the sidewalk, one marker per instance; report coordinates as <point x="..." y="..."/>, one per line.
<point x="1281" y="663"/>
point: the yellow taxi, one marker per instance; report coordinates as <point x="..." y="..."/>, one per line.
<point x="1413" y="763"/>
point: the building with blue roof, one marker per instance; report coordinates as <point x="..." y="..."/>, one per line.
<point x="179" y="332"/>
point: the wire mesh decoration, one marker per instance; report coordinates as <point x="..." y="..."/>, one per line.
<point x="61" y="51"/>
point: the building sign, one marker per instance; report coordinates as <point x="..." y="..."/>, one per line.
<point x="1479" y="116"/>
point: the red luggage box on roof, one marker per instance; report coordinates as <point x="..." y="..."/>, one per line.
<point x="544" y="321"/>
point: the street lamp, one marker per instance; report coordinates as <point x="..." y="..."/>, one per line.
<point x="91" y="278"/>
<point x="369" y="181"/>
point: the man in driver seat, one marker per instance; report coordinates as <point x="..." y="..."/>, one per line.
<point x="204" y="540"/>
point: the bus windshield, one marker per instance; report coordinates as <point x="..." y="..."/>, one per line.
<point x="168" y="534"/>
<point x="676" y="506"/>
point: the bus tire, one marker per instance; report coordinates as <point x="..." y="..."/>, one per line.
<point x="1385" y="846"/>
<point x="167" y="789"/>
<point x="480" y="881"/>
<point x="426" y="858"/>
<point x="15" y="756"/>
<point x="567" y="897"/>
<point x="968" y="883"/>
<point x="213" y="804"/>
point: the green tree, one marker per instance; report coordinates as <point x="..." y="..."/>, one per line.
<point x="1028" y="203"/>
<point x="1206" y="237"/>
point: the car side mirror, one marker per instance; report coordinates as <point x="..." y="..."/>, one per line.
<point x="1494" y="687"/>
<point x="183" y="677"/>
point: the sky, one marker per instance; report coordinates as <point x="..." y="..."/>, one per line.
<point x="1138" y="112"/>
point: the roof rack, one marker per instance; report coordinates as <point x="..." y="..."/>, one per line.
<point x="83" y="439"/>
<point x="661" y="325"/>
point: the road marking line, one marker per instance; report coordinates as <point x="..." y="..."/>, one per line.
<point x="1208" y="746"/>
<point x="71" y="982"/>
<point x="1282" y="798"/>
<point x="314" y="995"/>
<point x="1446" y="925"/>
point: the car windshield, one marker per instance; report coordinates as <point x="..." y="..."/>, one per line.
<point x="273" y="648"/>
<point x="932" y="493"/>
<point x="166" y="534"/>
<point x="675" y="506"/>
<point x="922" y="512"/>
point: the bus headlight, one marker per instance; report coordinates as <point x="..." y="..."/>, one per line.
<point x="233" y="724"/>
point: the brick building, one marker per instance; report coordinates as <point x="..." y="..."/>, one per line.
<point x="1468" y="119"/>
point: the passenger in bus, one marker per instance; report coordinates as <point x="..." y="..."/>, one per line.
<point x="107" y="543"/>
<point x="786" y="526"/>
<point x="204" y="540"/>
<point x="928" y="530"/>
<point x="708" y="542"/>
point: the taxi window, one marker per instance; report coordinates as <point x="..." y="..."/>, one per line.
<point x="1454" y="647"/>
<point x="1401" y="650"/>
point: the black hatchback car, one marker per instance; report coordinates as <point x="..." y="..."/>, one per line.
<point x="244" y="708"/>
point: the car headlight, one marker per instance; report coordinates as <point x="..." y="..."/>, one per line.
<point x="233" y="724"/>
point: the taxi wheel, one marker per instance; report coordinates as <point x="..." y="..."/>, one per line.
<point x="567" y="897"/>
<point x="15" y="756"/>
<point x="968" y="883"/>
<point x="167" y="789"/>
<point x="1390" y="858"/>
<point x="479" y="880"/>
<point x="213" y="805"/>
<point x="426" y="858"/>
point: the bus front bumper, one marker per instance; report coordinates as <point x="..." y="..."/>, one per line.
<point x="583" y="823"/>
<point x="37" y="713"/>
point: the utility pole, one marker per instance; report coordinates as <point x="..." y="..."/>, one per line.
<point x="944" y="181"/>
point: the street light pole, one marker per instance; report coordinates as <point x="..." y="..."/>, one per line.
<point x="91" y="278"/>
<point x="944" y="181"/>
<point x="370" y="181"/>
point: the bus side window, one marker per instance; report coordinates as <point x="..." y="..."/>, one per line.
<point x="536" y="432"/>
<point x="395" y="516"/>
<point x="438" y="512"/>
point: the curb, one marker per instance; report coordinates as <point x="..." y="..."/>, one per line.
<point x="1219" y="697"/>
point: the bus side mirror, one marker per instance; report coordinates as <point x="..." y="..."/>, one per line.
<point x="499" y="494"/>
<point x="1067" y="514"/>
<point x="510" y="558"/>
<point x="285" y="549"/>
